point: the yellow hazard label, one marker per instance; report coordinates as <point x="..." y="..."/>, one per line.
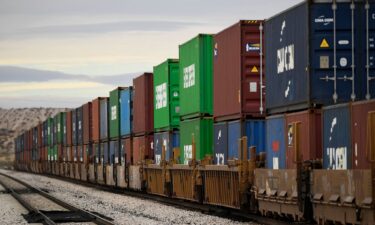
<point x="254" y="70"/>
<point x="324" y="44"/>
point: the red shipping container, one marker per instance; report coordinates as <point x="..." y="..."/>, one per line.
<point x="40" y="129"/>
<point x="143" y="148"/>
<point x="237" y="68"/>
<point x="361" y="150"/>
<point x="310" y="136"/>
<point x="69" y="128"/>
<point x="87" y="123"/>
<point x="127" y="149"/>
<point x="95" y="128"/>
<point x="60" y="153"/>
<point x="143" y="104"/>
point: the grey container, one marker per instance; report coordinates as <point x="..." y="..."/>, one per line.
<point x="79" y="115"/>
<point x="104" y="118"/>
<point x="74" y="127"/>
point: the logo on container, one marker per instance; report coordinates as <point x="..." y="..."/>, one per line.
<point x="252" y="47"/>
<point x="161" y="96"/>
<point x="188" y="153"/>
<point x="113" y="112"/>
<point x="337" y="158"/>
<point x="285" y="59"/>
<point x="333" y="124"/>
<point x="324" y="20"/>
<point x="157" y="159"/>
<point x="219" y="158"/>
<point x="189" y="76"/>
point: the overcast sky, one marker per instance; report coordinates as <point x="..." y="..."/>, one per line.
<point x="103" y="37"/>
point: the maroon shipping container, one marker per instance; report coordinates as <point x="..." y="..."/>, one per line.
<point x="40" y="129"/>
<point x="69" y="128"/>
<point x="143" y="104"/>
<point x="60" y="153"/>
<point x="127" y="149"/>
<point x="87" y="123"/>
<point x="360" y="137"/>
<point x="310" y="136"/>
<point x="96" y="120"/>
<point x="143" y="148"/>
<point x="237" y="67"/>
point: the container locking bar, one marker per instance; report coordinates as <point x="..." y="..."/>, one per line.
<point x="261" y="67"/>
<point x="369" y="78"/>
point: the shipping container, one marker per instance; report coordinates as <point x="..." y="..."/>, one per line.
<point x="309" y="136"/>
<point x="74" y="127"/>
<point x="254" y="130"/>
<point x="220" y="141"/>
<point x="114" y="113"/>
<point x="58" y="120"/>
<point x="114" y="151"/>
<point x="143" y="104"/>
<point x="87" y="123"/>
<point x="143" y="148"/>
<point x="169" y="139"/>
<point x="104" y="118"/>
<point x="237" y="64"/>
<point x="275" y="142"/>
<point x="126" y="111"/>
<point x="95" y="156"/>
<point x="64" y="129"/>
<point x="79" y="112"/>
<point x="196" y="76"/>
<point x="127" y="148"/>
<point x="201" y="130"/>
<point x="69" y="131"/>
<point x="360" y="135"/>
<point x="316" y="56"/>
<point x="337" y="146"/>
<point x="40" y="135"/>
<point x="96" y="119"/>
<point x="166" y="94"/>
<point x="50" y="131"/>
<point x="104" y="152"/>
<point x="45" y="133"/>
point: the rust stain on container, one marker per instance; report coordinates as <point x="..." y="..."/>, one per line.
<point x="143" y="148"/>
<point x="143" y="104"/>
<point x="237" y="71"/>
<point x="361" y="152"/>
<point x="87" y="123"/>
<point x="310" y="136"/>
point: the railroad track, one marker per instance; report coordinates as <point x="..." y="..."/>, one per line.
<point x="223" y="212"/>
<point x="46" y="209"/>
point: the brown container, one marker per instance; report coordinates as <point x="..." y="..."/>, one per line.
<point x="237" y="91"/>
<point x="87" y="123"/>
<point x="143" y="104"/>
<point x="143" y="148"/>
<point x="127" y="145"/>
<point x="310" y="136"/>
<point x="361" y="150"/>
<point x="69" y="128"/>
<point x="40" y="129"/>
<point x="95" y="129"/>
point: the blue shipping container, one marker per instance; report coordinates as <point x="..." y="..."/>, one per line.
<point x="104" y="148"/>
<point x="126" y="111"/>
<point x="114" y="151"/>
<point x="253" y="129"/>
<point x="275" y="135"/>
<point x="220" y="143"/>
<point x="103" y="118"/>
<point x="337" y="150"/>
<point x="309" y="62"/>
<point x="96" y="153"/>
<point x="170" y="140"/>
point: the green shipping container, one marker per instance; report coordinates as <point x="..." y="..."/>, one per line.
<point x="58" y="120"/>
<point x="50" y="153"/>
<point x="114" y="113"/>
<point x="196" y="69"/>
<point x="167" y="98"/>
<point x="201" y="130"/>
<point x="50" y="132"/>
<point x="55" y="150"/>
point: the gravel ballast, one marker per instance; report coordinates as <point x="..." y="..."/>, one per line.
<point x="123" y="209"/>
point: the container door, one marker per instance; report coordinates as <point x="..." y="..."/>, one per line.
<point x="255" y="130"/>
<point x="234" y="133"/>
<point x="125" y="112"/>
<point x="275" y="131"/>
<point x="220" y="140"/>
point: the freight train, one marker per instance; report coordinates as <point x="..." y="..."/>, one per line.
<point x="275" y="117"/>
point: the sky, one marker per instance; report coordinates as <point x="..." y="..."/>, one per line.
<point x="64" y="53"/>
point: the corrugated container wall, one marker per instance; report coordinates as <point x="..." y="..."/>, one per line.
<point x="64" y="129"/>
<point x="126" y="147"/>
<point x="45" y="133"/>
<point x="302" y="70"/>
<point x="337" y="146"/>
<point x="143" y="148"/>
<point x="237" y="59"/>
<point x="74" y="127"/>
<point x="196" y="76"/>
<point x="96" y="120"/>
<point x="104" y="118"/>
<point x="114" y="113"/>
<point x="40" y="135"/>
<point x="104" y="152"/>
<point x="168" y="139"/>
<point x="166" y="94"/>
<point x="310" y="136"/>
<point x="87" y="123"/>
<point x="201" y="130"/>
<point x="360" y="136"/>
<point x="50" y="131"/>
<point x="69" y="124"/>
<point x="59" y="127"/>
<point x="79" y="112"/>
<point x="114" y="149"/>
<point x="275" y="139"/>
<point x="126" y="111"/>
<point x="143" y="104"/>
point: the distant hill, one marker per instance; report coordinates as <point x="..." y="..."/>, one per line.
<point x="15" y="121"/>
